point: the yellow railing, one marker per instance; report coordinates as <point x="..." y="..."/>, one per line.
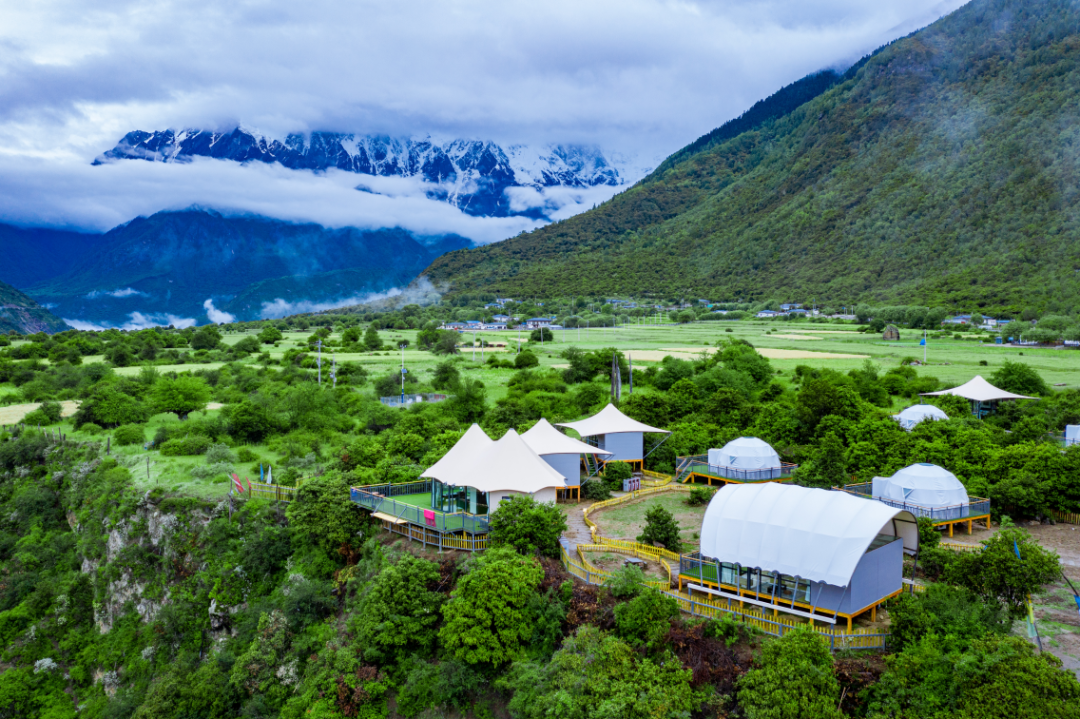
<point x="655" y="479"/>
<point x="701" y="606"/>
<point x="628" y="497"/>
<point x="1065" y="517"/>
<point x="958" y="547"/>
<point x="582" y="548"/>
<point x="273" y="491"/>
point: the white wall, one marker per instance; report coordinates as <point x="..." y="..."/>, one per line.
<point x="546" y="494"/>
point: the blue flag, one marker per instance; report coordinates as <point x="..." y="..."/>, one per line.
<point x="922" y="342"/>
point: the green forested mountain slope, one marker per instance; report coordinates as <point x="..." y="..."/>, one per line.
<point x="944" y="170"/>
<point x="20" y="313"/>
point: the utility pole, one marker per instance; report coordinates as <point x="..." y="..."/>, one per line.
<point x="319" y="360"/>
<point x="402" y="345"/>
<point x="333" y="369"/>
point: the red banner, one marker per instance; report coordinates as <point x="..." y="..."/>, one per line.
<point x="237" y="483"/>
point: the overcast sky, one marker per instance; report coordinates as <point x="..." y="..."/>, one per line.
<point x="640" y="78"/>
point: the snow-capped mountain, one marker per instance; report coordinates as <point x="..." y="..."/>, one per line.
<point x="473" y="175"/>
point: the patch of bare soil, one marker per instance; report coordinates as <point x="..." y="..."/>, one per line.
<point x="612" y="562"/>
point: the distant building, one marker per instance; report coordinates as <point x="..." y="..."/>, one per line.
<point x="494" y="326"/>
<point x="769" y="314"/>
<point x="790" y="306"/>
<point x="501" y="318"/>
<point x="534" y="323"/>
<point x="454" y="325"/>
<point x="957" y="320"/>
<point x="395" y="400"/>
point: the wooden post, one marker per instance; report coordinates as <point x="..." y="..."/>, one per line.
<point x="951" y="525"/>
<point x="970" y="522"/>
<point x="873" y="613"/>
<point x="849" y="623"/>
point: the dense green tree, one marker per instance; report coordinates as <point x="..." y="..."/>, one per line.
<point x="269" y="334"/>
<point x="528" y="526"/>
<point x="793" y="679"/>
<point x="661" y="528"/>
<point x="997" y="574"/>
<point x="1019" y="378"/>
<point x="180" y="395"/>
<point x="372" y="341"/>
<point x="400" y="612"/>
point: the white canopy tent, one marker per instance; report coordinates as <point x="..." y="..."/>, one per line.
<point x="471" y="443"/>
<point x="501" y="469"/>
<point x="745" y="453"/>
<point x="810" y="533"/>
<point x="917" y="413"/>
<point x="563" y="453"/>
<point x="978" y="390"/>
<point x="609" y="420"/>
<point x="926" y="485"/>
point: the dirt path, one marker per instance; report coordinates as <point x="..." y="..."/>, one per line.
<point x="577" y="532"/>
<point x="14" y="413"/>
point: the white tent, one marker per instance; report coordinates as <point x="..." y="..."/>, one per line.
<point x="609" y="420"/>
<point x="917" y="413"/>
<point x="471" y="443"/>
<point x="544" y="439"/>
<point x="926" y="485"/>
<point x="561" y="452"/>
<point x="745" y="453"/>
<point x="978" y="390"/>
<point x="810" y="533"/>
<point x="507" y="465"/>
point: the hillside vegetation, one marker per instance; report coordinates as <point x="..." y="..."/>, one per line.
<point x="942" y="170"/>
<point x="21" y="314"/>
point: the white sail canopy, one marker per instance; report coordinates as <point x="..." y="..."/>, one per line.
<point x="745" y="453"/>
<point x="978" y="390"/>
<point x="464" y="450"/>
<point x="810" y="533"/>
<point x="926" y="485"/>
<point x="508" y="464"/>
<point x="544" y="439"/>
<point x="917" y="413"/>
<point x="609" y="420"/>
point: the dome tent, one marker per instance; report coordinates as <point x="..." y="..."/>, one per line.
<point x="745" y="453"/>
<point x="917" y="413"/>
<point x="926" y="485"/>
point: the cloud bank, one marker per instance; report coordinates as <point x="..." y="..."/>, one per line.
<point x="636" y="77"/>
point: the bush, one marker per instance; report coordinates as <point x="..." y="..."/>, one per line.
<point x="244" y="454"/>
<point x="528" y="526"/>
<point x="616" y="472"/>
<point x="626" y="583"/>
<point x="793" y="679"/>
<point x="661" y="528"/>
<point x="595" y="489"/>
<point x="700" y="495"/>
<point x="646" y="618"/>
<point x="944" y="610"/>
<point x="90" y="428"/>
<point x="220" y="453"/>
<point x="128" y="434"/>
<point x="51" y="410"/>
<point x="33" y="419"/>
<point x="186" y="446"/>
<point x="526" y="359"/>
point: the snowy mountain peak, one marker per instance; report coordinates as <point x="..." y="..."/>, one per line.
<point x="473" y="175"/>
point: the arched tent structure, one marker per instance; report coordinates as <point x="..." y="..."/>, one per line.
<point x="561" y="452"/>
<point x="924" y="485"/>
<point x="613" y="431"/>
<point x="486" y="475"/>
<point x="983" y="396"/>
<point x="917" y="413"/>
<point x="812" y="549"/>
<point x="746" y="458"/>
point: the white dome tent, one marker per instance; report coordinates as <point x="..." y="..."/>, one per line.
<point x="924" y="486"/>
<point x="747" y="458"/>
<point x="917" y="413"/>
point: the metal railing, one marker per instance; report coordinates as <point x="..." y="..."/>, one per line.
<point x="776" y="626"/>
<point x="975" y="507"/>
<point x="425" y="536"/>
<point x="699" y="464"/>
<point x="273" y="491"/>
<point x="380" y="498"/>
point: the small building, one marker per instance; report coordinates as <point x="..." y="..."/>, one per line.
<point x="787" y="307"/>
<point x="983" y="396"/>
<point x="746" y="459"/>
<point x="808" y="552"/>
<point x="957" y="320"/>
<point x="534" y="323"/>
<point x="563" y="453"/>
<point x="769" y="314"/>
<point x="410" y="399"/>
<point x="613" y="431"/>
<point x="917" y="413"/>
<point x="892" y="332"/>
<point x="494" y="326"/>
<point x="927" y="490"/>
<point x="501" y="318"/>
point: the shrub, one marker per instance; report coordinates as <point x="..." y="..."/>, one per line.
<point x="595" y="489"/>
<point x="616" y="472"/>
<point x="186" y="446"/>
<point x="33" y="419"/>
<point x="220" y="453"/>
<point x="244" y="454"/>
<point x="661" y="528"/>
<point x="944" y="610"/>
<point x="526" y="359"/>
<point x="51" y="410"/>
<point x="528" y="526"/>
<point x="646" y="618"/>
<point x="90" y="428"/>
<point x="128" y="434"/>
<point x="626" y="583"/>
<point x="700" y="495"/>
<point x="793" y="679"/>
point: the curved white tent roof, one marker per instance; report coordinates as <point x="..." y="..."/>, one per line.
<point x="471" y="443"/>
<point x="917" y="413"/>
<point x="609" y="420"/>
<point x="978" y="390"/>
<point x="811" y="533"/>
<point x="543" y="438"/>
<point x="927" y="485"/>
<point x="508" y="464"/>
<point x="745" y="453"/>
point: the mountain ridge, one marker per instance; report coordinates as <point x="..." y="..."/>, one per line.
<point x="939" y="172"/>
<point x="473" y="175"/>
<point x="21" y="313"/>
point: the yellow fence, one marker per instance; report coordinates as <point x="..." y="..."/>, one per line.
<point x="698" y="605"/>
<point x="1065" y="517"/>
<point x="655" y="479"/>
<point x="273" y="491"/>
<point x="466" y="542"/>
<point x="628" y="497"/>
<point x="958" y="547"/>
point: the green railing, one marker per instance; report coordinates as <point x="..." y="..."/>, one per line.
<point x="380" y="498"/>
<point x="975" y="506"/>
<point x="699" y="464"/>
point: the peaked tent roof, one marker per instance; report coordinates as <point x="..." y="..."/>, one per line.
<point x="978" y="390"/>
<point x="473" y="441"/>
<point x="609" y="420"/>
<point x="810" y="533"/>
<point x="543" y="438"/>
<point x="508" y="464"/>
